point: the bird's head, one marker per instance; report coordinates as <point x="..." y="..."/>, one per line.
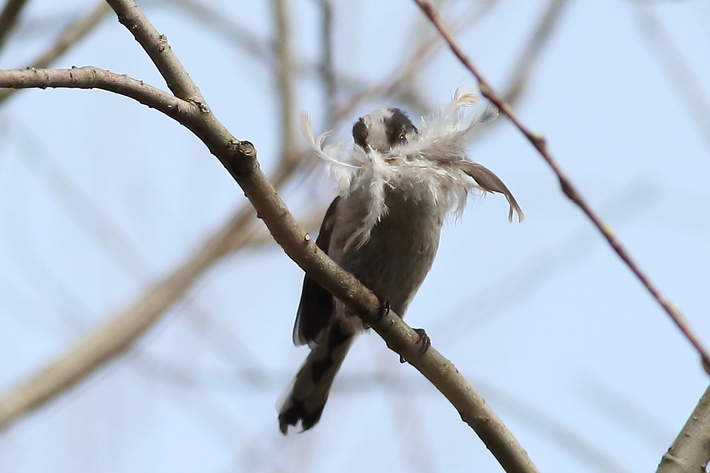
<point x="383" y="130"/>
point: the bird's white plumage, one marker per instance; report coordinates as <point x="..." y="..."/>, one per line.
<point x="415" y="167"/>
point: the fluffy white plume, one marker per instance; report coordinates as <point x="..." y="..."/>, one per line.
<point x="426" y="168"/>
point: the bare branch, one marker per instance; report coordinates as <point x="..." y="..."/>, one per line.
<point x="289" y="142"/>
<point x="8" y="18"/>
<point x="157" y="47"/>
<point x="538" y="141"/>
<point x="239" y="158"/>
<point x="90" y="77"/>
<point x="109" y="339"/>
<point x="71" y="35"/>
<point x="690" y="452"/>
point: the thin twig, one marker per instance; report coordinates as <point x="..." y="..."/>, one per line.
<point x="679" y="72"/>
<point x="70" y="36"/>
<point x="566" y="184"/>
<point x="8" y="18"/>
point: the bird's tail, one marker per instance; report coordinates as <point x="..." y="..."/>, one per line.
<point x="309" y="392"/>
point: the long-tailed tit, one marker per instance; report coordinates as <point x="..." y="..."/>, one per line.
<point x="395" y="190"/>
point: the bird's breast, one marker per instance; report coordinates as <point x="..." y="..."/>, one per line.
<point x="400" y="251"/>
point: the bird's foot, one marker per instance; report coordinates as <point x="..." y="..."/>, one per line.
<point x="424" y="341"/>
<point x="378" y="314"/>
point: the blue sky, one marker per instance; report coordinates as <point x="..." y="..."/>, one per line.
<point x="100" y="197"/>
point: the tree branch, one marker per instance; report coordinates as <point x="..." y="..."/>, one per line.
<point x="90" y="77"/>
<point x="568" y="187"/>
<point x="157" y="47"/>
<point x="239" y="158"/>
<point x="109" y="339"/>
<point x="690" y="452"/>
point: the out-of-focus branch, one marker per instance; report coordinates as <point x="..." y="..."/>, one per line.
<point x="71" y="35"/>
<point x="209" y="15"/>
<point x="533" y="48"/>
<point x="690" y="452"/>
<point x="284" y="75"/>
<point x="400" y="80"/>
<point x="111" y="338"/>
<point x="529" y="57"/>
<point x="567" y="185"/>
<point x="559" y="434"/>
<point x="264" y="51"/>
<point x="527" y="278"/>
<point x="678" y="71"/>
<point x="8" y="18"/>
<point x="326" y="68"/>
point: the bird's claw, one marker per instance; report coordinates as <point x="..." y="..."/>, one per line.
<point x="375" y="316"/>
<point x="423" y="340"/>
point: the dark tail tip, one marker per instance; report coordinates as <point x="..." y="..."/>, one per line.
<point x="297" y="412"/>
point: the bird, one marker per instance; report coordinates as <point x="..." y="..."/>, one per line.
<point x="396" y="186"/>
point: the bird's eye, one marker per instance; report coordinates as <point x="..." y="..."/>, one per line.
<point x="403" y="137"/>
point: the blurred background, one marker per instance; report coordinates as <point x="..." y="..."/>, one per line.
<point x="103" y="201"/>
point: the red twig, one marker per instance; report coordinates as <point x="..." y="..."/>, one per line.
<point x="565" y="183"/>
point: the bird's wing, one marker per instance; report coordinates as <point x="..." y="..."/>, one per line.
<point x="316" y="304"/>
